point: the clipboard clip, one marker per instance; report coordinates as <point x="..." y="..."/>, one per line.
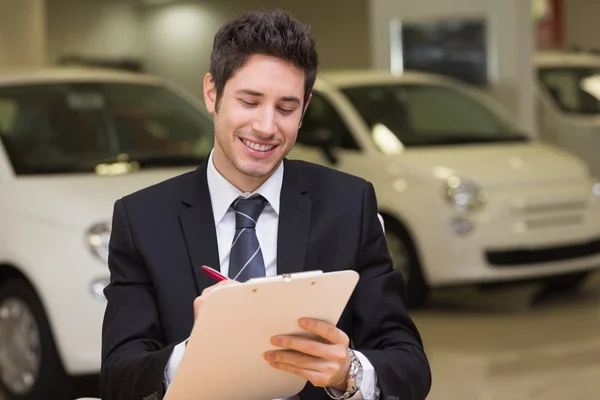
<point x="288" y="277"/>
<point x="297" y="275"/>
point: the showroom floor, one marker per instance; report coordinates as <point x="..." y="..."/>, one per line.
<point x="514" y="345"/>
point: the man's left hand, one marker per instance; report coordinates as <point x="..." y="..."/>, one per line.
<point x="324" y="363"/>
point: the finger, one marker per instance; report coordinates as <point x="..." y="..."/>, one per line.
<point x="198" y="301"/>
<point x="317" y="378"/>
<point x="325" y="330"/>
<point x="197" y="305"/>
<point x="285" y="358"/>
<point x="307" y="346"/>
<point x="299" y="360"/>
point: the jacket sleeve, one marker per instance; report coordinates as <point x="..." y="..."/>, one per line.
<point x="134" y="354"/>
<point x="383" y="330"/>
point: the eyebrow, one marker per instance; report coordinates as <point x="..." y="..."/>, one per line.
<point x="288" y="99"/>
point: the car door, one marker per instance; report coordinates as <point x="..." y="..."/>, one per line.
<point x="326" y="138"/>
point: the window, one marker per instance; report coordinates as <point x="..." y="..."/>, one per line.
<point x="54" y="128"/>
<point x="404" y="115"/>
<point x="8" y="113"/>
<point x="573" y="89"/>
<point x="441" y="112"/>
<point x="322" y="121"/>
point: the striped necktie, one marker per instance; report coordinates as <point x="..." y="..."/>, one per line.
<point x="246" y="259"/>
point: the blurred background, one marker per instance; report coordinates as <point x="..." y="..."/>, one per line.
<point x="478" y="122"/>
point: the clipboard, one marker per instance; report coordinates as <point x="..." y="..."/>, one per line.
<point x="224" y="359"/>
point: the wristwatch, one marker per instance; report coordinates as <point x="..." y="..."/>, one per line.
<point x="355" y="376"/>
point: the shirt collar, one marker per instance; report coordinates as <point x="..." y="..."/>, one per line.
<point x="223" y="193"/>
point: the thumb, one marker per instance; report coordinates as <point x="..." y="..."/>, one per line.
<point x="197" y="305"/>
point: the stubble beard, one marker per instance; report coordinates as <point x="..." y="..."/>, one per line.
<point x="237" y="165"/>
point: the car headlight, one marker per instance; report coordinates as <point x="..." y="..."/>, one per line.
<point x="596" y="189"/>
<point x="97" y="238"/>
<point x="463" y="194"/>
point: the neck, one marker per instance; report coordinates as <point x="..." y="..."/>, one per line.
<point x="242" y="182"/>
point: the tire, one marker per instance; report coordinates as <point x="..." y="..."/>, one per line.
<point x="399" y="242"/>
<point x="48" y="380"/>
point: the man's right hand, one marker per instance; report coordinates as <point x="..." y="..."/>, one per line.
<point x="200" y="299"/>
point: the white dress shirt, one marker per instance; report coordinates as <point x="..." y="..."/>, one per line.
<point x="222" y="195"/>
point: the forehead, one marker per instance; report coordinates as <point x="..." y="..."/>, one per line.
<point x="268" y="74"/>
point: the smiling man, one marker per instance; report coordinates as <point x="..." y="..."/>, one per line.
<point x="257" y="116"/>
<point x="250" y="212"/>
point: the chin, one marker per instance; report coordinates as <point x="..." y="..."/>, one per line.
<point x="257" y="172"/>
<point x="257" y="169"/>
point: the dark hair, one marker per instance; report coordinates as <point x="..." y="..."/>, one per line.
<point x="273" y="33"/>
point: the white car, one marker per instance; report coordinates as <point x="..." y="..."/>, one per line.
<point x="66" y="138"/>
<point x="466" y="196"/>
<point x="568" y="101"/>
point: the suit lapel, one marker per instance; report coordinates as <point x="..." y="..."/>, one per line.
<point x="198" y="225"/>
<point x="294" y="223"/>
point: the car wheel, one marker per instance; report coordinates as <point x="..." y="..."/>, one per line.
<point x="30" y="367"/>
<point x="405" y="259"/>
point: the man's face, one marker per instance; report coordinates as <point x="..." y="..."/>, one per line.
<point x="258" y="116"/>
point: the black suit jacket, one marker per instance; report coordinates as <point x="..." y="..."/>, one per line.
<point x="161" y="235"/>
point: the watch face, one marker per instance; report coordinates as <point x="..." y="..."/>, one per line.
<point x="359" y="377"/>
<point x="357" y="372"/>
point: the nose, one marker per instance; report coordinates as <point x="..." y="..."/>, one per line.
<point x="265" y="121"/>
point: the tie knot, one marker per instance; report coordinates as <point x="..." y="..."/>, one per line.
<point x="247" y="211"/>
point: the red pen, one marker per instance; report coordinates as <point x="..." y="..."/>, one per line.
<point x="216" y="275"/>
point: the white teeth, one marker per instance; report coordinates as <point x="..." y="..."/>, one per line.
<point x="256" y="146"/>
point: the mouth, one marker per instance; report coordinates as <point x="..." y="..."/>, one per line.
<point x="262" y="148"/>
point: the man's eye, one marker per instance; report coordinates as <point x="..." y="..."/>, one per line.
<point x="247" y="103"/>
<point x="286" y="110"/>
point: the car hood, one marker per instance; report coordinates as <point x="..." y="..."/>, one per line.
<point x="77" y="201"/>
<point x="499" y="164"/>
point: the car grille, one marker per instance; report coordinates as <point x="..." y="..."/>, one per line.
<point x="512" y="257"/>
<point x="557" y="206"/>
<point x="543" y="215"/>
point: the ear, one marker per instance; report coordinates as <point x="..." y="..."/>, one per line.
<point x="210" y="93"/>
<point x="305" y="108"/>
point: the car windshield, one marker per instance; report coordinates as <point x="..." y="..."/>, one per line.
<point x="76" y="127"/>
<point x="411" y="115"/>
<point x="574" y="90"/>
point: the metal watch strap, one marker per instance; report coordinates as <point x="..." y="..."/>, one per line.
<point x="353" y="385"/>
